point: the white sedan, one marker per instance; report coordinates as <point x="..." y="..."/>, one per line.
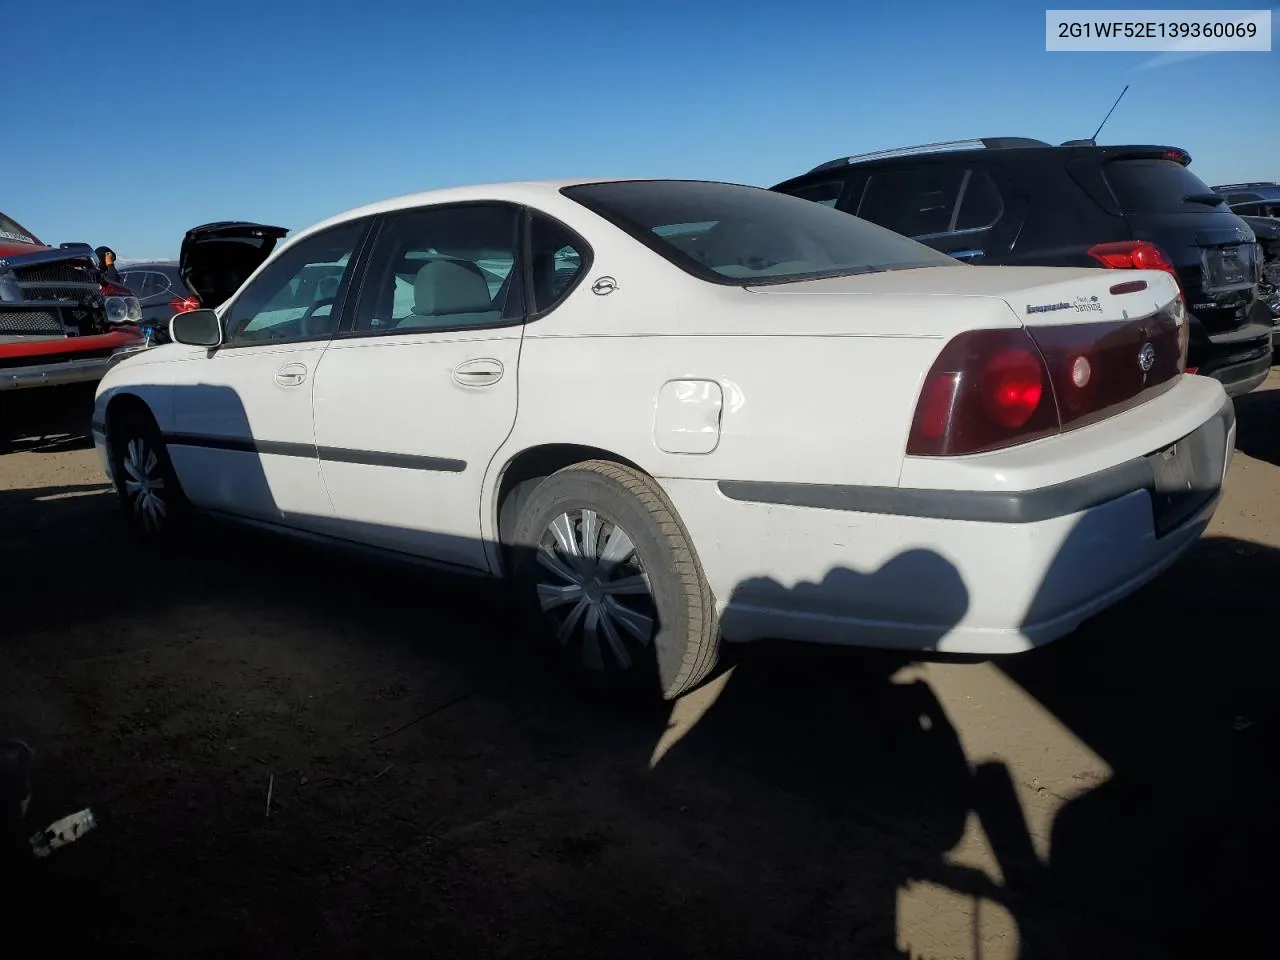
<point x="676" y="413"/>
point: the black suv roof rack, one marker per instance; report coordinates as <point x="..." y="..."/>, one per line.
<point x="977" y="143"/>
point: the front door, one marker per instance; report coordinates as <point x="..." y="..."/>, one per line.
<point x="244" y="440"/>
<point x="414" y="400"/>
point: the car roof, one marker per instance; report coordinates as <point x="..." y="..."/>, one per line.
<point x="525" y="192"/>
<point x="994" y="149"/>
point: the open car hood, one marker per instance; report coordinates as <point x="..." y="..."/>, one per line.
<point x="216" y="258"/>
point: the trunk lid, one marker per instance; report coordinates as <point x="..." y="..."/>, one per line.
<point x="216" y="258"/>
<point x="1110" y="339"/>
<point x="1039" y="296"/>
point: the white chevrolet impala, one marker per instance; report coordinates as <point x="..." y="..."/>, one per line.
<point x="673" y="414"/>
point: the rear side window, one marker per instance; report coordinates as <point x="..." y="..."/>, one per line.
<point x="931" y="203"/>
<point x="557" y="259"/>
<point x="914" y="203"/>
<point x="1158" y="186"/>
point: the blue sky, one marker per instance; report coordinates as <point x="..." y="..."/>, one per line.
<point x="286" y="113"/>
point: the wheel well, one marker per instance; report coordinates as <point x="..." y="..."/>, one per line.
<point x="528" y="467"/>
<point x="124" y="405"/>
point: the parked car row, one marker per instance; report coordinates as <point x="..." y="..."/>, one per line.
<point x="1015" y="201"/>
<point x="1258" y="205"/>
<point x="675" y="413"/>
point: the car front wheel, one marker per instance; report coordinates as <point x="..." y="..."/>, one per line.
<point x="153" y="502"/>
<point x="606" y="570"/>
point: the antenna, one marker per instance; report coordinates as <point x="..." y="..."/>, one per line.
<point x="1094" y="138"/>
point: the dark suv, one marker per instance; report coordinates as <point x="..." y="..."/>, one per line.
<point x="1016" y="201"/>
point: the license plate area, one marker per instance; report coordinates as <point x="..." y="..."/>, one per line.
<point x="1229" y="266"/>
<point x="1186" y="475"/>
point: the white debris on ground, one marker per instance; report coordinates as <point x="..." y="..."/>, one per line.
<point x="62" y="832"/>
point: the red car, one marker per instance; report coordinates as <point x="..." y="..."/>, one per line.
<point x="60" y="321"/>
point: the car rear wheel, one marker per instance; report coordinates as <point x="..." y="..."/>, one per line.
<point x="150" y="495"/>
<point x="605" y="570"/>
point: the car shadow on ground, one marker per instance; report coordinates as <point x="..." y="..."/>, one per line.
<point x="46" y="420"/>
<point x="1258" y="429"/>
<point x="296" y="753"/>
<point x="432" y="783"/>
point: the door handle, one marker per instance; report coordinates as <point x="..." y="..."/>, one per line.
<point x="478" y="373"/>
<point x="291" y="374"/>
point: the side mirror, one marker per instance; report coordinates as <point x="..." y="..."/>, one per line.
<point x="196" y="328"/>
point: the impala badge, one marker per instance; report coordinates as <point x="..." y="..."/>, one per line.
<point x="1147" y="357"/>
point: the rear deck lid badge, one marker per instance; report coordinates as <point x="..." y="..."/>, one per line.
<point x="1147" y="357"/>
<point x="1047" y="307"/>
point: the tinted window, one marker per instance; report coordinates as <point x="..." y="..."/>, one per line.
<point x="295" y="294"/>
<point x="9" y="230"/>
<point x="1157" y="186"/>
<point x="914" y="203"/>
<point x="726" y="233"/>
<point x="441" y="268"/>
<point x="557" y="259"/>
<point x="827" y="193"/>
<point x="980" y="203"/>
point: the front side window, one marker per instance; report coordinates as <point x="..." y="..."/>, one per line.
<point x="294" y="296"/>
<point x="730" y="234"/>
<point x="441" y="268"/>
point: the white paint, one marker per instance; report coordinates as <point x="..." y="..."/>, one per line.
<point x="811" y="382"/>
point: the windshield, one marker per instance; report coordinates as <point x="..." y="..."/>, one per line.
<point x="10" y="230"/>
<point x="730" y="234"/>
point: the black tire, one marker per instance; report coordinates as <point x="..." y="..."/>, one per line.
<point x="138" y="452"/>
<point x="588" y="623"/>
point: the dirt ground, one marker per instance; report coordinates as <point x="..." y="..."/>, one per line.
<point x="435" y="792"/>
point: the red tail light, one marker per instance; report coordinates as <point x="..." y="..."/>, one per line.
<point x="988" y="389"/>
<point x="184" y="304"/>
<point x="1133" y="255"/>
<point x="110" y="289"/>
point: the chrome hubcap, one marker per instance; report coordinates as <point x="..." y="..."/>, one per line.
<point x="144" y="484"/>
<point x="594" y="588"/>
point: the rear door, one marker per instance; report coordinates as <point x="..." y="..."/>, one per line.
<point x="415" y="396"/>
<point x="1213" y="250"/>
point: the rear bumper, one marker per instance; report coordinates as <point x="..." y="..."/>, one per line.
<point x="960" y="571"/>
<point x="1239" y="366"/>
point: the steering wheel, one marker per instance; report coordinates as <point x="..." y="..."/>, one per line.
<point x="306" y="317"/>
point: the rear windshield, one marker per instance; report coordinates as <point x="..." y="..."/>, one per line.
<point x="1158" y="186"/>
<point x="731" y="234"/>
<point x="9" y="230"/>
